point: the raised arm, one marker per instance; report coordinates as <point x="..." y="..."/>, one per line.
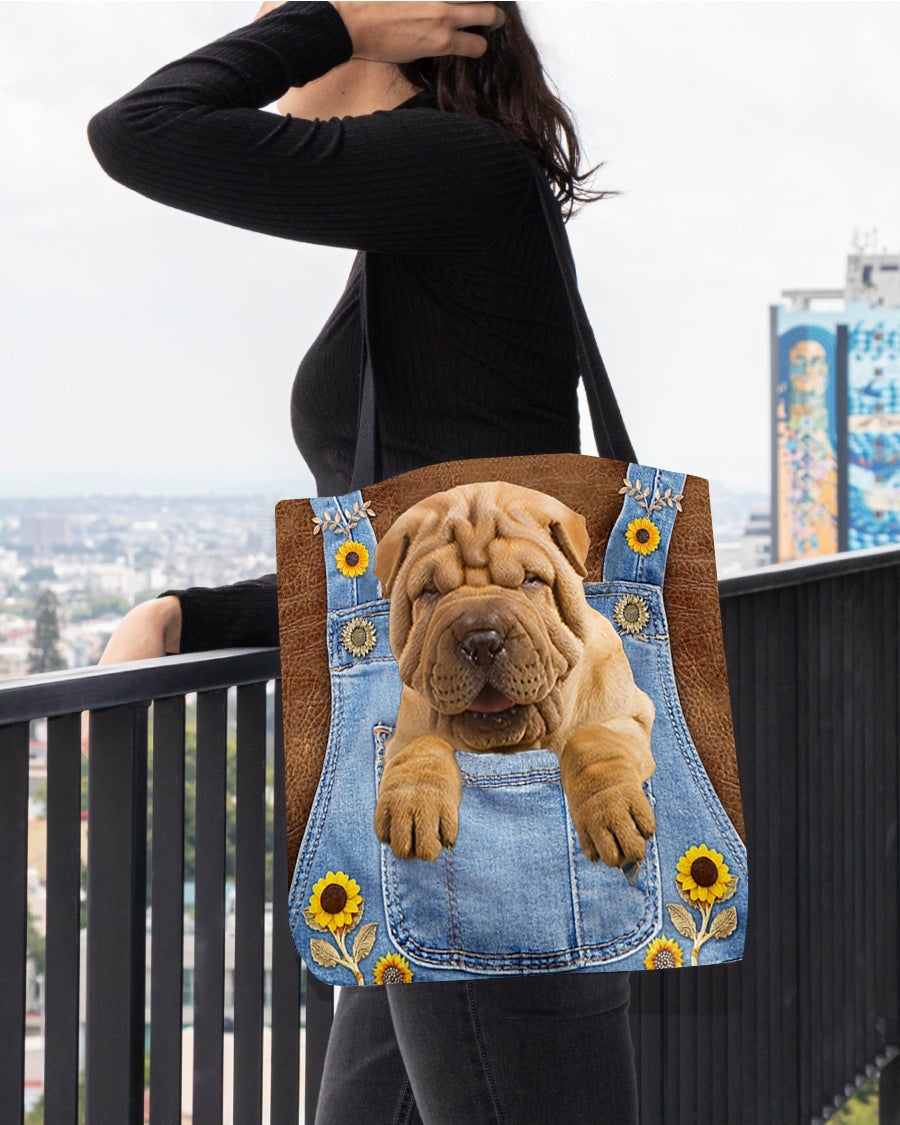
<point x="420" y="180"/>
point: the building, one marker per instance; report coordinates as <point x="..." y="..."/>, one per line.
<point x="836" y="413"/>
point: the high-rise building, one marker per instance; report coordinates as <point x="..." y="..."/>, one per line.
<point x="836" y="413"/>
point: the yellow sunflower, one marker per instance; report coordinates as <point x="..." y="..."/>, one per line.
<point x="702" y="875"/>
<point x="642" y="535"/>
<point x="392" y="969"/>
<point x="335" y="900"/>
<point x="352" y="558"/>
<point x="664" y="953"/>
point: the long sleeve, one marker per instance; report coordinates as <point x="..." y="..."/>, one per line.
<point x="193" y="136"/>
<point x="242" y="615"/>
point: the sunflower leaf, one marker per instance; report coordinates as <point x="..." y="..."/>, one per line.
<point x="364" y="941"/>
<point x="682" y="920"/>
<point x="310" y="915"/>
<point x="730" y="887"/>
<point x="324" y="954"/>
<point x="724" y="923"/>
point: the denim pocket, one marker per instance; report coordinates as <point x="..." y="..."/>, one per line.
<point x="516" y="893"/>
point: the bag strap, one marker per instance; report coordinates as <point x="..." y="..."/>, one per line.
<point x="609" y="429"/>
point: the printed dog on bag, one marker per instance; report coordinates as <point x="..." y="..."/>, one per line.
<point x="499" y="651"/>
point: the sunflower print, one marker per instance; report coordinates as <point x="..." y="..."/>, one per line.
<point x="352" y="559"/>
<point x="642" y="535"/>
<point x="631" y="613"/>
<point x="392" y="968"/>
<point x="664" y="953"/>
<point x="358" y="636"/>
<point x="335" y="901"/>
<point x="702" y="875"/>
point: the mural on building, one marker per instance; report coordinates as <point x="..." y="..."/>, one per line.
<point x="806" y="487"/>
<point x="873" y="425"/>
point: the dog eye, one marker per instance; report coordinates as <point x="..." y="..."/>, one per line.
<point x="429" y="592"/>
<point x="533" y="580"/>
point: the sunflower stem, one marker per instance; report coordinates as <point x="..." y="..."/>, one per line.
<point x="706" y="914"/>
<point x="348" y="961"/>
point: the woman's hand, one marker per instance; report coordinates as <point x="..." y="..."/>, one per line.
<point x="402" y="32"/>
<point x="151" y="629"/>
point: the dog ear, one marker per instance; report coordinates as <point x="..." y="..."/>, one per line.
<point x="571" y="535"/>
<point x="390" y="553"/>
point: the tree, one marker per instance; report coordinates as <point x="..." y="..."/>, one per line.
<point x="45" y="655"/>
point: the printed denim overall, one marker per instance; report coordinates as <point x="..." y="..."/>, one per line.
<point x="516" y="894"/>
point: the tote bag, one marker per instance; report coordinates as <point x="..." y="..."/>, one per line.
<point x="508" y="736"/>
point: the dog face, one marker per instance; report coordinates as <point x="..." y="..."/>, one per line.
<point x="488" y="612"/>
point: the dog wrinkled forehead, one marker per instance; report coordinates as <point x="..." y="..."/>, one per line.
<point x="473" y="516"/>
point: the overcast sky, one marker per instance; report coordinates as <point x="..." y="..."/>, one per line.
<point x="145" y="349"/>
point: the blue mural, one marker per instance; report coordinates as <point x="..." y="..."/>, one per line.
<point x="873" y="425"/>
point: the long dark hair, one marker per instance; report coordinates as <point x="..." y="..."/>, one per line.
<point x="509" y="85"/>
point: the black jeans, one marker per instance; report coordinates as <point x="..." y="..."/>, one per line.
<point x="519" y="1051"/>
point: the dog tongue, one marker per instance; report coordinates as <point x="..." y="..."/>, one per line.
<point x="489" y="700"/>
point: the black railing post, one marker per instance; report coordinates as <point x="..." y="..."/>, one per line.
<point x="167" y="911"/>
<point x="319" y="1016"/>
<point x="889" y="1093"/>
<point x="116" y="936"/>
<point x="63" y="969"/>
<point x="13" y="917"/>
<point x="209" y="924"/>
<point x="249" y="897"/>
<point x="285" y="960"/>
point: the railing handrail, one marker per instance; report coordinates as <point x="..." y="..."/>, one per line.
<point x="48" y="694"/>
<point x="781" y="575"/>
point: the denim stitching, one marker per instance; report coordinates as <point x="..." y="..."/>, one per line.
<point x="315" y="824"/>
<point x="573" y="881"/>
<point x="405" y="1106"/>
<point x="454" y="923"/>
<point x="694" y="762"/>
<point x="483" y="1052"/>
<point x="623" y="945"/>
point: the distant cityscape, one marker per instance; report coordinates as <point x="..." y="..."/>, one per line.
<point x="101" y="555"/>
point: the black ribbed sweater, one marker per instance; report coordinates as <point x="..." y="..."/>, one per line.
<point x="469" y="324"/>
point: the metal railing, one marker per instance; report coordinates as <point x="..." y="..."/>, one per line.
<point x="781" y="1037"/>
<point x="115" y="1005"/>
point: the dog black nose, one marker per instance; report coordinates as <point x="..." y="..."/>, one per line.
<point x="482" y="646"/>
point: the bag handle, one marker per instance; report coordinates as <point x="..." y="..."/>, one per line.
<point x="609" y="429"/>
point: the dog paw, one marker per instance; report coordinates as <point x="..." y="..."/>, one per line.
<point x="614" y="823"/>
<point x="417" y="821"/>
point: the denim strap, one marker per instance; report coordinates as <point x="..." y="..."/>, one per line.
<point x="650" y="494"/>
<point x="352" y="524"/>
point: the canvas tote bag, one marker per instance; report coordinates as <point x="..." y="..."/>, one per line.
<point x="508" y="735"/>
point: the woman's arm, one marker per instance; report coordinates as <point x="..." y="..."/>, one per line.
<point x="240" y="615"/>
<point x="420" y="180"/>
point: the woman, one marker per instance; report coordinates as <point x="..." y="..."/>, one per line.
<point x="408" y="137"/>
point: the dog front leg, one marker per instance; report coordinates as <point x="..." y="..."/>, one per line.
<point x="602" y="768"/>
<point x="418" y="800"/>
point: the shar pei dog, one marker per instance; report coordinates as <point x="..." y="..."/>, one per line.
<point x="498" y="650"/>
